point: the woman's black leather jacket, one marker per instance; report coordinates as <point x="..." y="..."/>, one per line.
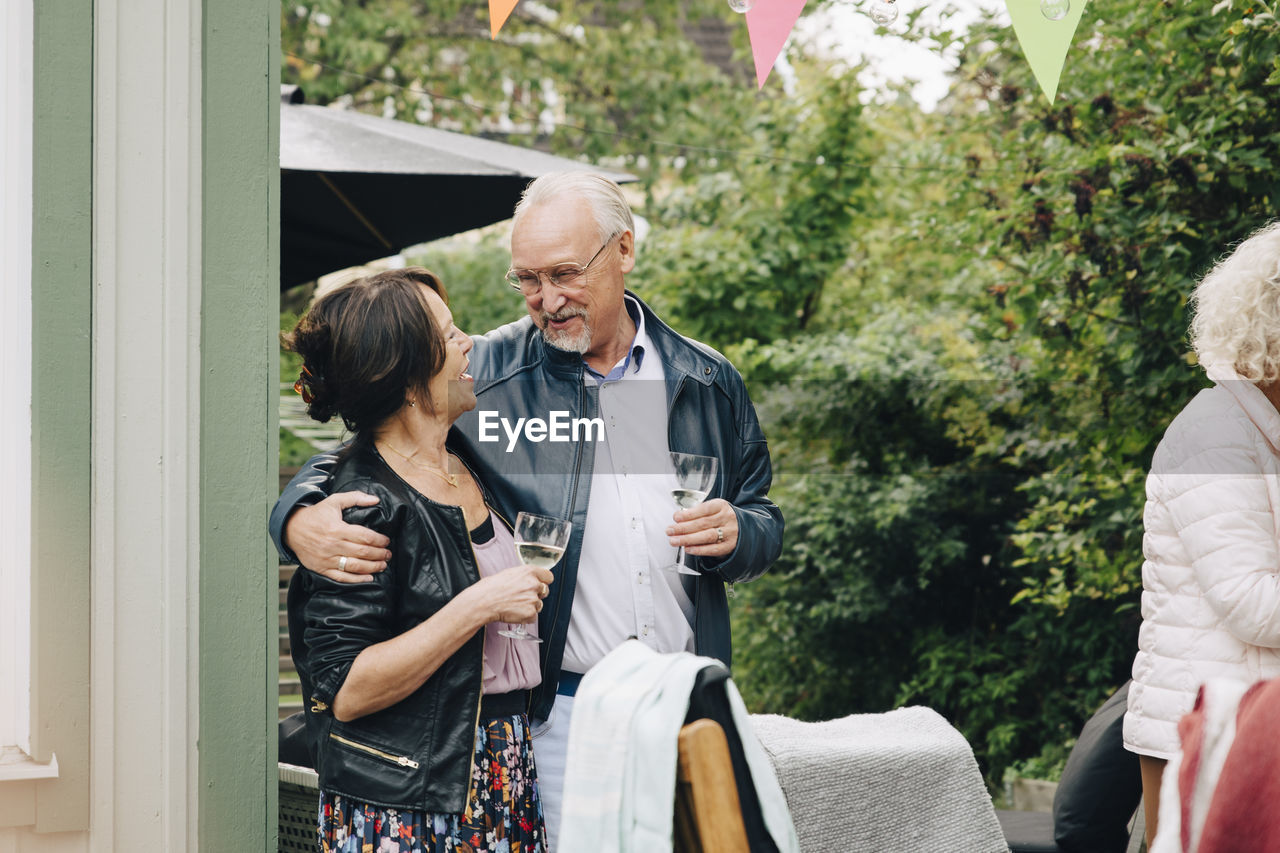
<point x="417" y="753"/>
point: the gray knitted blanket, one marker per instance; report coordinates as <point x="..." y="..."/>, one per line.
<point x="901" y="782"/>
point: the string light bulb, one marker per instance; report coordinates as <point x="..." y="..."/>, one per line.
<point x="885" y="12"/>
<point x="1055" y="10"/>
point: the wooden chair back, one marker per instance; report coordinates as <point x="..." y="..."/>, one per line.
<point x="708" y="815"/>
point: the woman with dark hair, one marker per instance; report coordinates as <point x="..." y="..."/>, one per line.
<point x="414" y="703"/>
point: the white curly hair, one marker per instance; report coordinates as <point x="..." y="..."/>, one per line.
<point x="1237" y="309"/>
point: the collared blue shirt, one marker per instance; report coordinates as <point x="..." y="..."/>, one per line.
<point x="637" y="349"/>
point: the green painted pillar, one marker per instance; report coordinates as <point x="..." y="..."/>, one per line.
<point x="238" y="438"/>
<point x="61" y="314"/>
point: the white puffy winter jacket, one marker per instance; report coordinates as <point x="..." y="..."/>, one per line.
<point x="1211" y="579"/>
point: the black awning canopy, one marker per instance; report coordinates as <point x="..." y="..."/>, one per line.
<point x="355" y="187"/>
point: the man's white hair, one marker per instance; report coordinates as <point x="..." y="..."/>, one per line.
<point x="609" y="207"/>
<point x="1237" y="309"/>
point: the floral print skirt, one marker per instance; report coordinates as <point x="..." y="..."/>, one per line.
<point x="503" y="814"/>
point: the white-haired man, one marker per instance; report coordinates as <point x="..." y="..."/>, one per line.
<point x="594" y="353"/>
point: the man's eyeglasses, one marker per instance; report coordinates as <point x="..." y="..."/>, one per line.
<point x="566" y="276"/>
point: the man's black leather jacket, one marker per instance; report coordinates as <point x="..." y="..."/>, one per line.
<point x="710" y="414"/>
<point x="417" y="753"/>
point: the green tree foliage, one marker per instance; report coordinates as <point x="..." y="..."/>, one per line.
<point x="621" y="78"/>
<point x="746" y="252"/>
<point x="979" y="549"/>
<point x="473" y="272"/>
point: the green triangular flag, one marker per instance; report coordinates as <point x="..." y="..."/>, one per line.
<point x="1045" y="42"/>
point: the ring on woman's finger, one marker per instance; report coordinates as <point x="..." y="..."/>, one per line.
<point x="543" y="590"/>
<point x="342" y="564"/>
<point x="719" y="535"/>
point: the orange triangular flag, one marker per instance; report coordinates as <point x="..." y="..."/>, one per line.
<point x="769" y="23"/>
<point x="499" y="11"/>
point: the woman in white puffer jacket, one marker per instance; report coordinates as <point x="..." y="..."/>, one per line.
<point x="1211" y="579"/>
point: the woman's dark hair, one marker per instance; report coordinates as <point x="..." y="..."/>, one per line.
<point x="367" y="344"/>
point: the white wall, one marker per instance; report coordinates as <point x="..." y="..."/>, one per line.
<point x="146" y="338"/>
<point x="15" y="374"/>
<point x="17" y="801"/>
<point x="143" y="714"/>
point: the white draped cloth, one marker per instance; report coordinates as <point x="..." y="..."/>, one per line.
<point x="901" y="782"/>
<point x="620" y="775"/>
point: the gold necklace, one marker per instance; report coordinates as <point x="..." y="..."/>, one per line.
<point x="448" y="477"/>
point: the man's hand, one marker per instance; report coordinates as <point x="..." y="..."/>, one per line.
<point x="709" y="529"/>
<point x="321" y="539"/>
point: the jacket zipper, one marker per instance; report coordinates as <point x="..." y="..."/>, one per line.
<point x="471" y="760"/>
<point x="510" y="527"/>
<point x="573" y="495"/>
<point x="475" y="561"/>
<point x="402" y="760"/>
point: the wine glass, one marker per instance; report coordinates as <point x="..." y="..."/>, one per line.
<point x="695" y="475"/>
<point x="540" y="541"/>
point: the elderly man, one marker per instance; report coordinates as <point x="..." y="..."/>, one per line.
<point x="593" y="354"/>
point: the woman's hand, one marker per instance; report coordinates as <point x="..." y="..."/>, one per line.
<point x="512" y="595"/>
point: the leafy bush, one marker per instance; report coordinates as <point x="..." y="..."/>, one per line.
<point x="473" y="271"/>
<point x="962" y="430"/>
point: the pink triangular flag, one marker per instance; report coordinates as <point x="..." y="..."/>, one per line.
<point x="499" y="11"/>
<point x="769" y="23"/>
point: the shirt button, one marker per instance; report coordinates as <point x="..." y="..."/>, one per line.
<point x="644" y="631"/>
<point x="640" y="578"/>
<point x="634" y="523"/>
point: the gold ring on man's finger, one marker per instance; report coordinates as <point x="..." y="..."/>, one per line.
<point x="719" y="535"/>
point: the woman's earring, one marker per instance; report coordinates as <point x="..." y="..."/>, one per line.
<point x="411" y="403"/>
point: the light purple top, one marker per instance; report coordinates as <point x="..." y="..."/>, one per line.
<point x="508" y="664"/>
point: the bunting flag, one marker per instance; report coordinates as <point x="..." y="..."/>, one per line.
<point x="499" y="11"/>
<point x="1045" y="42"/>
<point x="769" y="23"/>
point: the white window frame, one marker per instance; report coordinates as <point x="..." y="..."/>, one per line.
<point x="16" y="122"/>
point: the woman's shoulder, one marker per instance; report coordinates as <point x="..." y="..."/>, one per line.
<point x="1212" y="434"/>
<point x="363" y="470"/>
<point x="356" y="466"/>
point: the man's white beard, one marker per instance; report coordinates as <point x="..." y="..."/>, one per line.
<point x="578" y="342"/>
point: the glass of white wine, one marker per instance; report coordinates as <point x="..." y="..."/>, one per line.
<point x="540" y="541"/>
<point x="695" y="475"/>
